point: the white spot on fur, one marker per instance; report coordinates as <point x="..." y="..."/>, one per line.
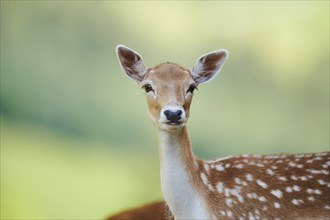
<point x="318" y="192"/>
<point x="262" y="184"/>
<point x="260" y="165"/>
<point x="327" y="207"/>
<point x="292" y="164"/>
<point x="249" y="177"/>
<point x="238" y="180"/>
<point x="252" y="195"/>
<point x="310" y="191"/>
<point x="240" y="198"/>
<point x="257" y="214"/>
<point x="262" y="199"/>
<point x="229" y="202"/>
<point x="293" y="177"/>
<point x="296" y="188"/>
<point x="219" y="167"/>
<point x="206" y="182"/>
<point x="239" y="166"/>
<point x="311" y="198"/>
<point x="229" y="214"/>
<point x="303" y="178"/>
<point x="223" y="213"/>
<point x="227" y="192"/>
<point x="325" y="172"/>
<point x="220" y="187"/>
<point x="277" y="193"/>
<point x="206" y="167"/>
<point x="204" y="178"/>
<point x="270" y="172"/>
<point x="288" y="189"/>
<point x="297" y="201"/>
<point x="282" y="178"/>
<point x="300" y="166"/>
<point x="234" y="191"/>
<point x="277" y="205"/>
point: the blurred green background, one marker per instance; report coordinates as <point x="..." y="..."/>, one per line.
<point x="76" y="140"/>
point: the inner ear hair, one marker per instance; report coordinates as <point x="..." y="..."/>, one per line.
<point x="131" y="62"/>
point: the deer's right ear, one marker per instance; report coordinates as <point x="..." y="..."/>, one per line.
<point x="131" y="62"/>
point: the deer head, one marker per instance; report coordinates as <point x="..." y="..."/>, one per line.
<point x="169" y="87"/>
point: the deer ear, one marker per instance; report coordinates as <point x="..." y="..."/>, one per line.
<point x="208" y="66"/>
<point x="131" y="62"/>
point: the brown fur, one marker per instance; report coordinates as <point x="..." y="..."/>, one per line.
<point x="300" y="173"/>
<point x="153" y="211"/>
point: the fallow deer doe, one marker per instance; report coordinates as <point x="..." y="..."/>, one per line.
<point x="234" y="187"/>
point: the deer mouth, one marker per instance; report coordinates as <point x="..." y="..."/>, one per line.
<point x="171" y="126"/>
<point x="174" y="123"/>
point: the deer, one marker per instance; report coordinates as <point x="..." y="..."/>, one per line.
<point x="247" y="186"/>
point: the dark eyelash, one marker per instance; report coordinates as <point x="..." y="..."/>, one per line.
<point x="191" y="88"/>
<point x="147" y="88"/>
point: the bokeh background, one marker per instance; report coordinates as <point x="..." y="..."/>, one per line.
<point x="76" y="140"/>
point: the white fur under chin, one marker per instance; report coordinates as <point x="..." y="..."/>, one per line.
<point x="179" y="194"/>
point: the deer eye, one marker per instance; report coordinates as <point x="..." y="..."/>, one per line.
<point x="148" y="88"/>
<point x="191" y="88"/>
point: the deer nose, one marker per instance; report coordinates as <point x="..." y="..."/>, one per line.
<point x="173" y="116"/>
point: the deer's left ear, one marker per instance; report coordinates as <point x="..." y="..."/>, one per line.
<point x="209" y="65"/>
<point x="131" y="62"/>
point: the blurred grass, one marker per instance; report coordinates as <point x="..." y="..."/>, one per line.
<point x="48" y="176"/>
<point x="76" y="141"/>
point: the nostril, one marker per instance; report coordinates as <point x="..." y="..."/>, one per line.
<point x="167" y="113"/>
<point x="178" y="113"/>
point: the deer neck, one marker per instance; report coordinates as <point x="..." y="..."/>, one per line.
<point x="176" y="145"/>
<point x="179" y="174"/>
